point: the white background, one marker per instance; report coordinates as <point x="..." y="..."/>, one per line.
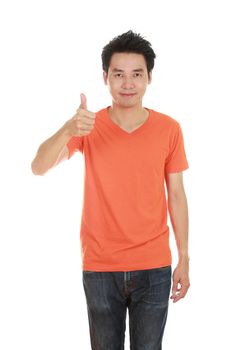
<point x="50" y="53"/>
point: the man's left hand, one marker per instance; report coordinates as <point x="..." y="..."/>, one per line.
<point x="181" y="277"/>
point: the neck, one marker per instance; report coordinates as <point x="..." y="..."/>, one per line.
<point x="128" y="116"/>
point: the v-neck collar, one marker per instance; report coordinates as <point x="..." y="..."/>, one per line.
<point x="121" y="131"/>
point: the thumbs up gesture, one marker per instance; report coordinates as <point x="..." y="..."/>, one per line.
<point x="83" y="100"/>
<point x="83" y="121"/>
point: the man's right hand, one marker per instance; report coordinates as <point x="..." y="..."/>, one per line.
<point x="82" y="122"/>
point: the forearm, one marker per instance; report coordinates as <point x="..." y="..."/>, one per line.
<point x="49" y="151"/>
<point x="178" y="210"/>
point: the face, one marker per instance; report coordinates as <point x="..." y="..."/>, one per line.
<point x="127" y="78"/>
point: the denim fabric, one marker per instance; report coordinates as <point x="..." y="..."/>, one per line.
<point x="146" y="295"/>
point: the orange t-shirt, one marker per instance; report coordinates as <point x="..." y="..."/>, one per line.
<point x="124" y="216"/>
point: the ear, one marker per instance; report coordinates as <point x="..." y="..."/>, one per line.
<point x="150" y="77"/>
<point x="105" y="77"/>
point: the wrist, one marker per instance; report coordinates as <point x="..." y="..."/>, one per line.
<point x="183" y="257"/>
<point x="65" y="131"/>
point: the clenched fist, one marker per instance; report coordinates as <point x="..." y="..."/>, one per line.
<point x="82" y="122"/>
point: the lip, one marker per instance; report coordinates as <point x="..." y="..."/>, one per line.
<point x="127" y="95"/>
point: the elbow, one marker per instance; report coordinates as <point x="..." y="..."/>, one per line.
<point x="177" y="196"/>
<point x="36" y="169"/>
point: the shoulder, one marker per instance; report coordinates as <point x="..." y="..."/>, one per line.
<point x="101" y="111"/>
<point x="165" y="120"/>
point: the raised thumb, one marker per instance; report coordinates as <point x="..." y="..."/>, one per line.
<point x="83" y="100"/>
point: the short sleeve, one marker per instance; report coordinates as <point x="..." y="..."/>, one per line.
<point x="75" y="144"/>
<point x="176" y="160"/>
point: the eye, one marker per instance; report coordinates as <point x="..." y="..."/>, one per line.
<point x="137" y="75"/>
<point x="118" y="75"/>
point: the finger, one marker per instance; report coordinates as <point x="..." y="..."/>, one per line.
<point x="182" y="292"/>
<point x="176" y="296"/>
<point x="174" y="287"/>
<point x="176" y="299"/>
<point x="83" y="100"/>
<point x="175" y="292"/>
<point x="84" y="113"/>
<point x="84" y="126"/>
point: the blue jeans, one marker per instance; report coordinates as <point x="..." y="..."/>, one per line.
<point x="146" y="295"/>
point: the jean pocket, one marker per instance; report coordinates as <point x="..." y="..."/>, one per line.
<point x="159" y="286"/>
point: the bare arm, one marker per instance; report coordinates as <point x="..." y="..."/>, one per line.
<point x="54" y="150"/>
<point x="178" y="210"/>
<point x="51" y="152"/>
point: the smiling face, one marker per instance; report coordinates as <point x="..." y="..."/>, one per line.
<point x="127" y="79"/>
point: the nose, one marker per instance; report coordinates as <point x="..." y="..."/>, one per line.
<point x="127" y="83"/>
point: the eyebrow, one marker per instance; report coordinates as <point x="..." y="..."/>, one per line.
<point x="134" y="70"/>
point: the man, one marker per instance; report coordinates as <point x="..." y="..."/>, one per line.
<point x="129" y="150"/>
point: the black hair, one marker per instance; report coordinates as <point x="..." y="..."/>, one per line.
<point x="128" y="42"/>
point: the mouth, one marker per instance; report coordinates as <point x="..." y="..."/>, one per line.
<point x="127" y="95"/>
